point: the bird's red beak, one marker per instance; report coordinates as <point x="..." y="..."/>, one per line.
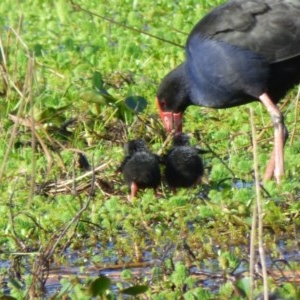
<point x="171" y="121"/>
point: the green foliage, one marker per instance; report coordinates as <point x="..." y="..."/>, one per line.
<point x="198" y="293"/>
<point x="99" y="286"/>
<point x="135" y="290"/>
<point x="136" y="103"/>
<point x="179" y="275"/>
<point x="244" y="285"/>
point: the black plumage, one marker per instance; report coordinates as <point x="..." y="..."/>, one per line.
<point x="242" y="51"/>
<point x="140" y="167"/>
<point x="183" y="165"/>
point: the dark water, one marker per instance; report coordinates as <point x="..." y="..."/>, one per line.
<point x="77" y="263"/>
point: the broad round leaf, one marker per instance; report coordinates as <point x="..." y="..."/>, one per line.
<point x="136" y="103"/>
<point x="99" y="286"/>
<point x="135" y="290"/>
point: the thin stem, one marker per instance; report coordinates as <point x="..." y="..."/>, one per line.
<point x="80" y="8"/>
<point x="259" y="209"/>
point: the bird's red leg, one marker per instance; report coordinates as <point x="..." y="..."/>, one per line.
<point x="133" y="190"/>
<point x="269" y="172"/>
<point x="276" y="163"/>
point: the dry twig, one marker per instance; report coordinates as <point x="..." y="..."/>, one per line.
<point x="257" y="213"/>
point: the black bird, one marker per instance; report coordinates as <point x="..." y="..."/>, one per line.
<point x="140" y="167"/>
<point x="242" y="51"/>
<point x="184" y="167"/>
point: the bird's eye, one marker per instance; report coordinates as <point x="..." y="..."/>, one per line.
<point x="163" y="103"/>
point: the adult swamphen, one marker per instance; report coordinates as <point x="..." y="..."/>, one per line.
<point x="184" y="166"/>
<point x="242" y="51"/>
<point x="140" y="167"/>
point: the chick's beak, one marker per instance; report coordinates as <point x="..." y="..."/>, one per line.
<point x="171" y="120"/>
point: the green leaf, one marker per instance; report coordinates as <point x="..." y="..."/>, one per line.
<point x="136" y="103"/>
<point x="97" y="81"/>
<point x="99" y="286"/>
<point x="51" y="114"/>
<point x="62" y="10"/>
<point x="198" y="293"/>
<point x="93" y="96"/>
<point x="244" y="286"/>
<point x="16" y="283"/>
<point x="98" y="84"/>
<point x="69" y="43"/>
<point x="7" y="298"/>
<point x="66" y="286"/>
<point x="37" y="49"/>
<point x="179" y="275"/>
<point x="135" y="290"/>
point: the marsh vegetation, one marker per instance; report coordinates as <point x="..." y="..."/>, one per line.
<point x="74" y="88"/>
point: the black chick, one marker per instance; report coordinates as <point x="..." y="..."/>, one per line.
<point x="140" y="167"/>
<point x="184" y="167"/>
